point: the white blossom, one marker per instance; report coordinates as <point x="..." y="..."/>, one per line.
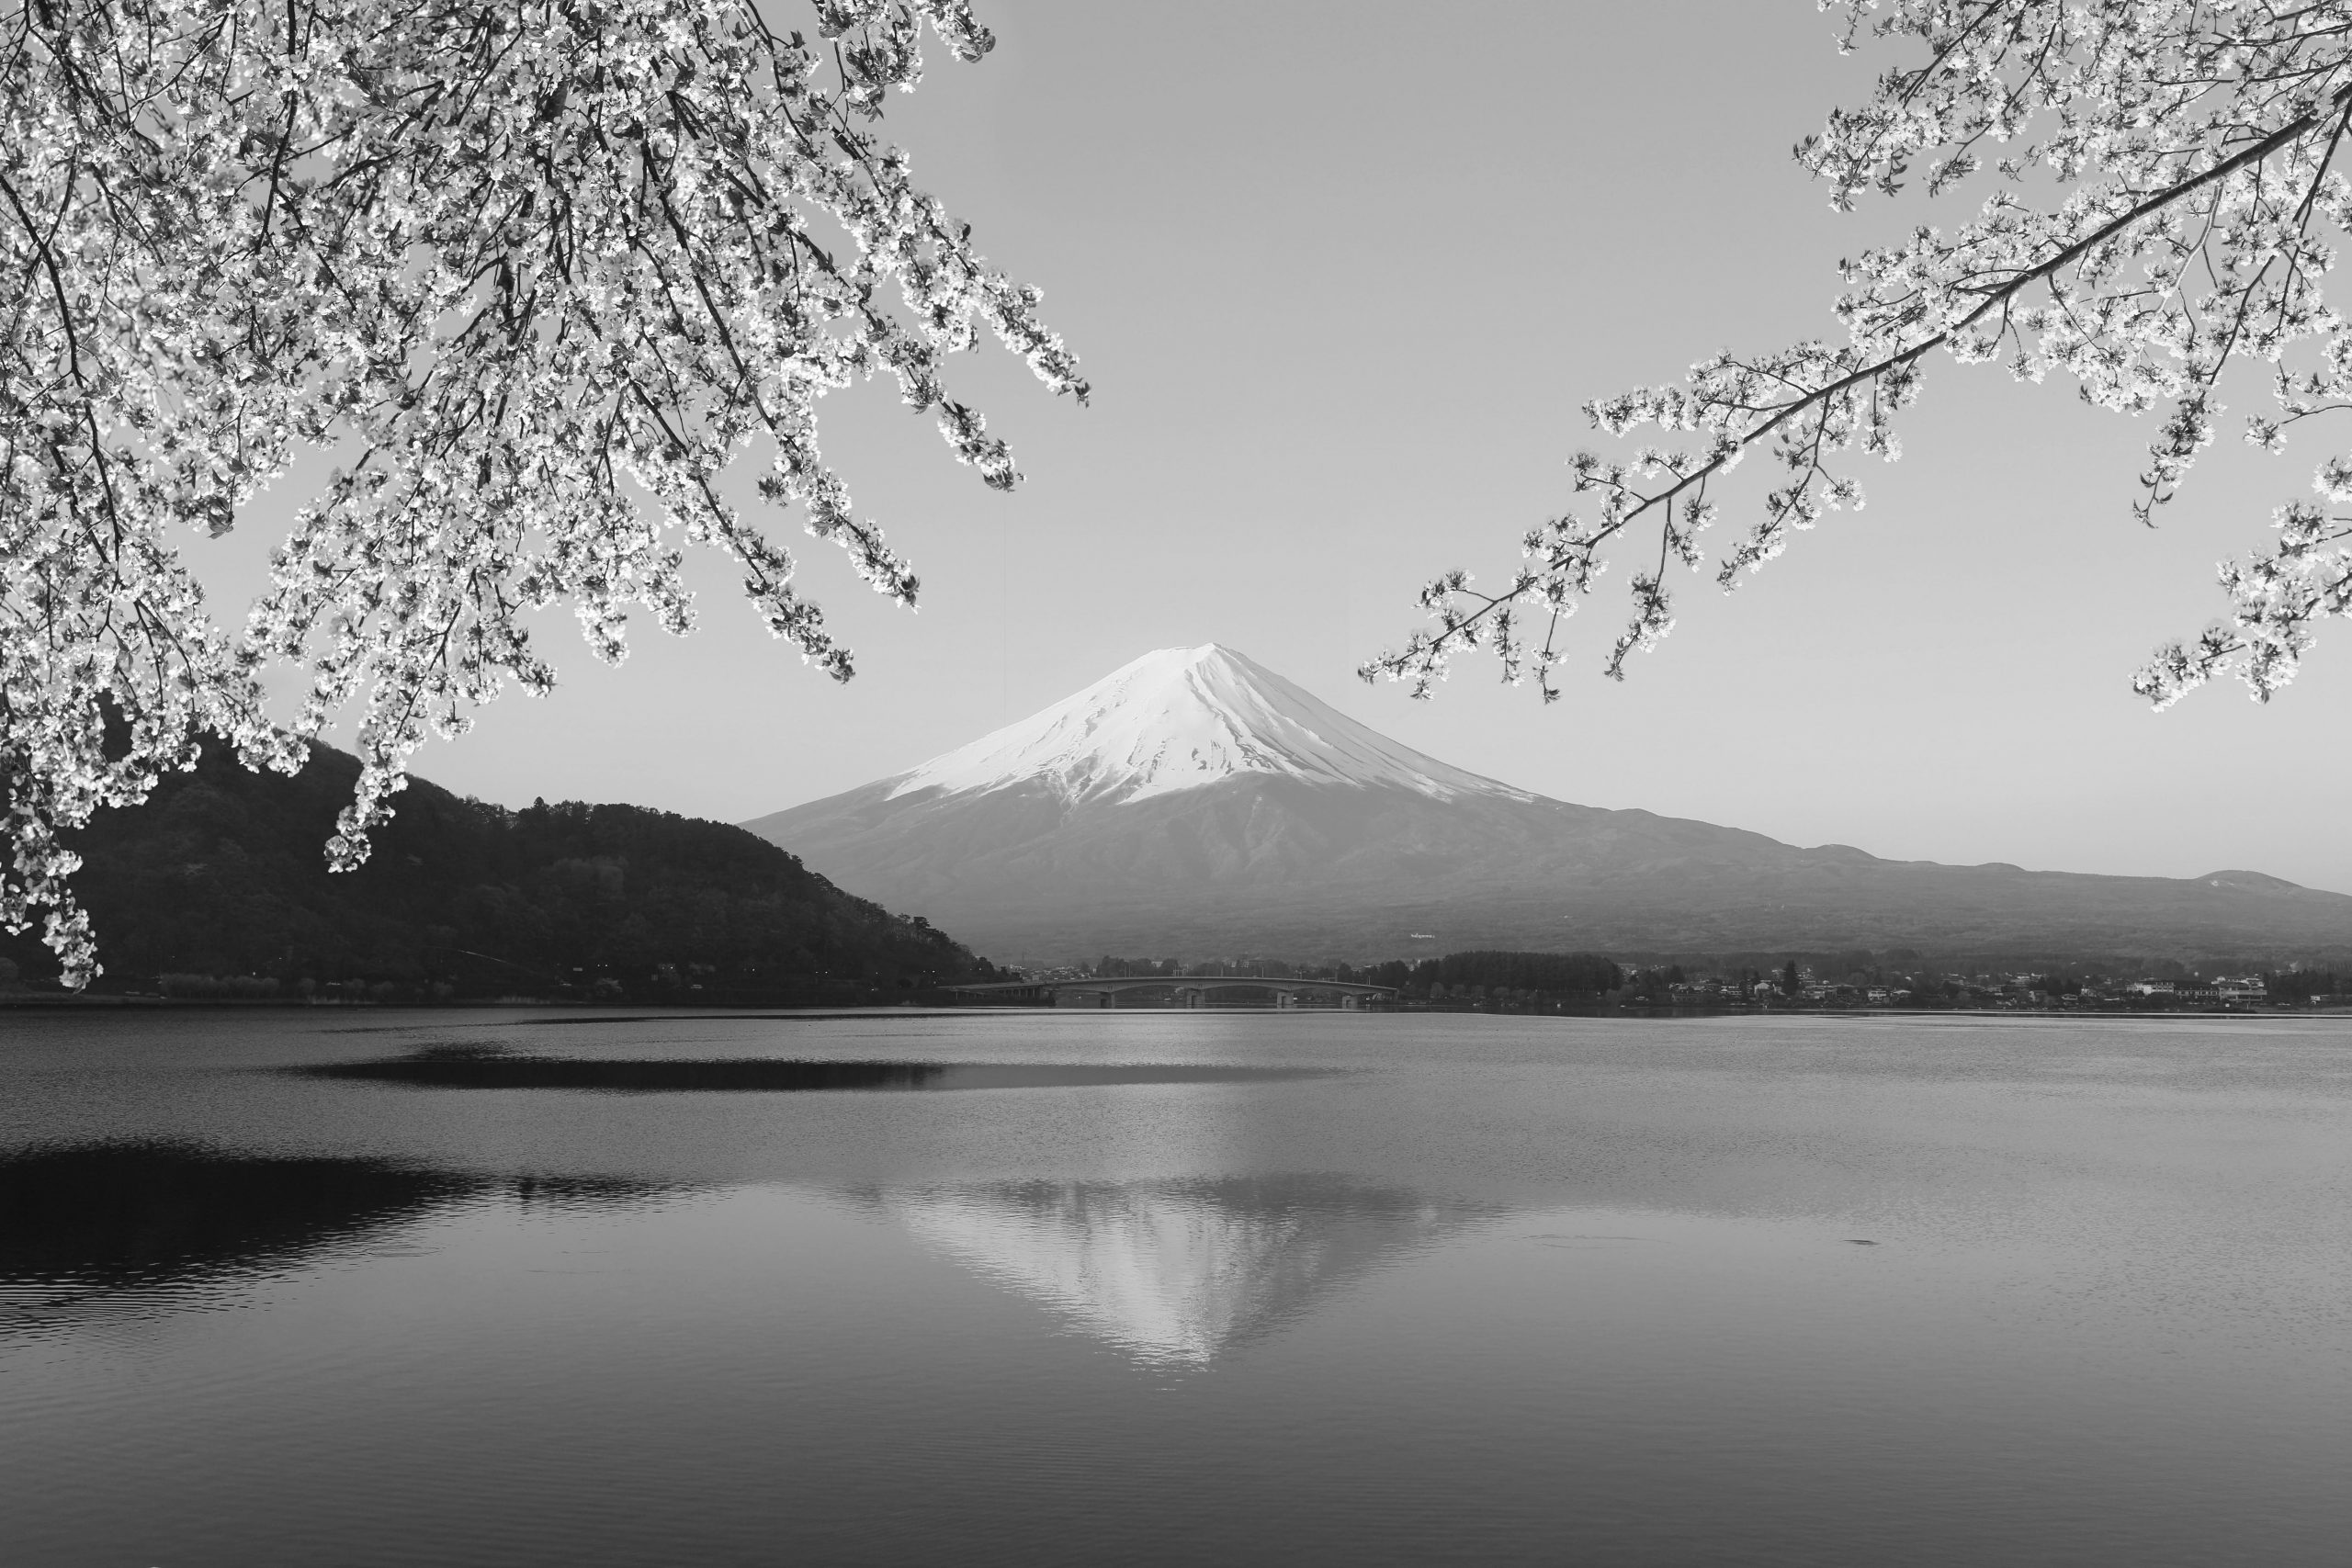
<point x="534" y="273"/>
<point x="2191" y="208"/>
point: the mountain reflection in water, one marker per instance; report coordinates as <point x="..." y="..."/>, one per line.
<point x="137" y="1227"/>
<point x="1179" y="1272"/>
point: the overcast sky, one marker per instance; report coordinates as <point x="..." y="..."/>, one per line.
<point x="1343" y="275"/>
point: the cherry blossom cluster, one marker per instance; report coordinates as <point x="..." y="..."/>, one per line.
<point x="534" y="275"/>
<point x="2188" y="151"/>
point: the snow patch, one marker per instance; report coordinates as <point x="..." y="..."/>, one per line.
<point x="1182" y="717"/>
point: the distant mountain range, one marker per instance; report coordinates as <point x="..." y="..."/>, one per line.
<point x="217" y="886"/>
<point x="1194" y="803"/>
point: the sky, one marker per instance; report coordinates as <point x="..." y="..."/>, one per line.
<point x="1342" y="276"/>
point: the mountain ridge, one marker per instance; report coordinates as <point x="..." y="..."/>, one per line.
<point x="1070" y="833"/>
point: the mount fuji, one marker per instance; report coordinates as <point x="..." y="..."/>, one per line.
<point x="1194" y="803"/>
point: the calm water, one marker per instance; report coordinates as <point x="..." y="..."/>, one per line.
<point x="326" y="1288"/>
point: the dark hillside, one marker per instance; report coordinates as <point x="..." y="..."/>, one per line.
<point x="217" y="886"/>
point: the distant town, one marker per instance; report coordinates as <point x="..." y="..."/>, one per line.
<point x="1584" y="983"/>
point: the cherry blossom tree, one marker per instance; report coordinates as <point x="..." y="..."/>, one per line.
<point x="2189" y="150"/>
<point x="534" y="275"/>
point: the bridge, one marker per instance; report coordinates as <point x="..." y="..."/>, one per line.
<point x="1192" y="990"/>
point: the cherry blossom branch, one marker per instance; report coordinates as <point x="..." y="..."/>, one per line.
<point x="1967" y="295"/>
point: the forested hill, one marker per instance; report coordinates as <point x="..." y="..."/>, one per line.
<point x="217" y="886"/>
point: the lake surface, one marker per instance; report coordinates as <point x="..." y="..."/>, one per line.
<point x="355" y="1288"/>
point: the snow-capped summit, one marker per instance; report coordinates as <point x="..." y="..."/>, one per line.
<point x="1181" y="717"/>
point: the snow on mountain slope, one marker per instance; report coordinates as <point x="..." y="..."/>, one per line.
<point x="1182" y="718"/>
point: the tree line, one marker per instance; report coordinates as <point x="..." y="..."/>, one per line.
<point x="1484" y="970"/>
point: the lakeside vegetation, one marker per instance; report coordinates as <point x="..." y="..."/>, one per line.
<point x="1547" y="982"/>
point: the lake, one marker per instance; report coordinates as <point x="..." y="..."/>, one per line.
<point x="503" y="1287"/>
